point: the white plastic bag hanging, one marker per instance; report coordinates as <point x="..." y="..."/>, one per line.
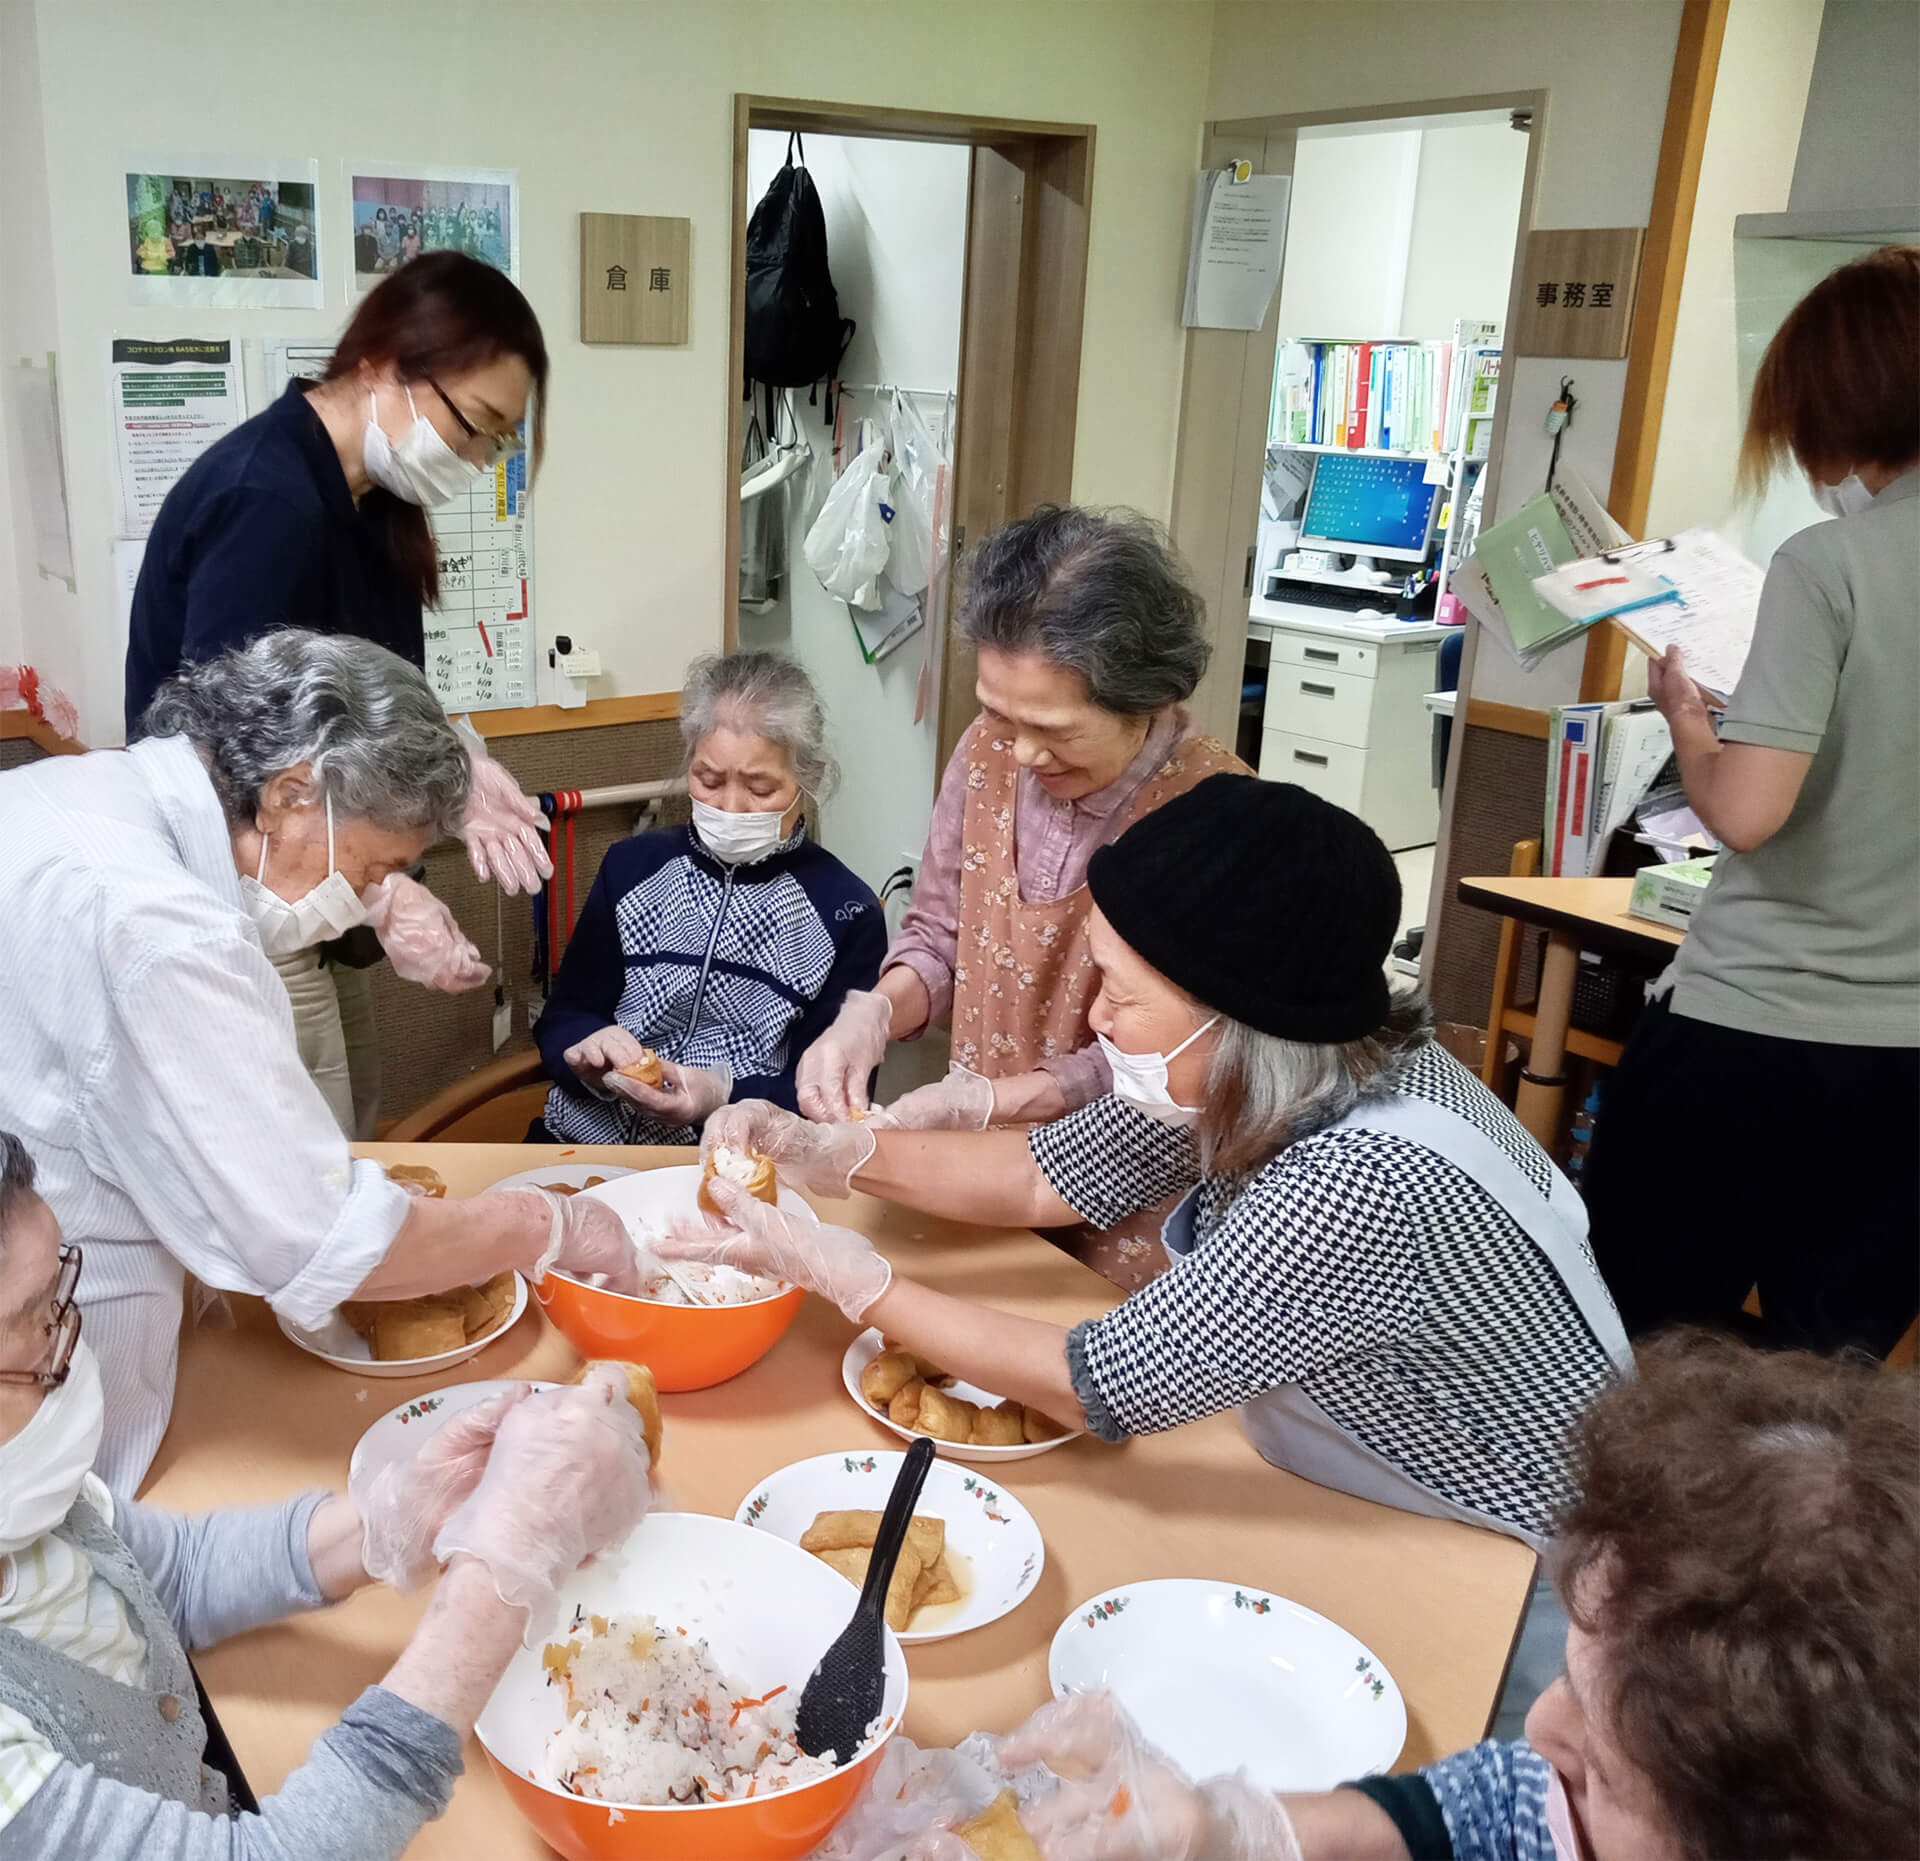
<point x="848" y="545"/>
<point x="916" y="462"/>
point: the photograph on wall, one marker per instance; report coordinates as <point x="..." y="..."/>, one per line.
<point x="235" y="235"/>
<point x="399" y="215"/>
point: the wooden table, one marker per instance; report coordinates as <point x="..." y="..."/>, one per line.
<point x="1578" y="914"/>
<point x="255" y="1420"/>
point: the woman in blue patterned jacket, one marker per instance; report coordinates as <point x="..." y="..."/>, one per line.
<point x="725" y="946"/>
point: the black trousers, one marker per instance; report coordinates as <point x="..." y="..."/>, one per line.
<point x="1724" y="1160"/>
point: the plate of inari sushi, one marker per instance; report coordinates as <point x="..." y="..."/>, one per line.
<point x="913" y="1396"/>
<point x="973" y="1551"/>
<point x="564" y="1178"/>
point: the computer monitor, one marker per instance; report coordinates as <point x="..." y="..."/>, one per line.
<point x="1361" y="505"/>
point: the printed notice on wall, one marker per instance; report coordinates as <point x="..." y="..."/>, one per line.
<point x="1233" y="258"/>
<point x="171" y="401"/>
<point x="480" y="636"/>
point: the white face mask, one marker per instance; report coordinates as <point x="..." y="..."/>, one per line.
<point x="422" y="468"/>
<point x="1141" y="1078"/>
<point x="42" y="1466"/>
<point x="285" y="925"/>
<point x="1846" y="499"/>
<point x="737" y="839"/>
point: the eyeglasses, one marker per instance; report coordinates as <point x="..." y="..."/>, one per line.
<point x="62" y="1327"/>
<point x="497" y="446"/>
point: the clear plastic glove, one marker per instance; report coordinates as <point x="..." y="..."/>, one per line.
<point x="834" y="1262"/>
<point x="685" y="1094"/>
<point x="963" y="1101"/>
<point x="602" y="1052"/>
<point x="403" y="1504"/>
<point x="831" y="1083"/>
<point x="502" y="827"/>
<point x="422" y="938"/>
<point x="1124" y="1801"/>
<point x="820" y="1157"/>
<point x="584" y="1237"/>
<point x="567" y="1478"/>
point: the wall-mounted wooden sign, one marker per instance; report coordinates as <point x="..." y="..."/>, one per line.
<point x="636" y="278"/>
<point x="1579" y="291"/>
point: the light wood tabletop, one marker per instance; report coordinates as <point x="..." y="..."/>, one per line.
<point x="255" y="1419"/>
<point x="1593" y="908"/>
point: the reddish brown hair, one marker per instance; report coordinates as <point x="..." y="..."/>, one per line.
<point x="1746" y="1549"/>
<point x="1839" y="385"/>
<point x="440" y="314"/>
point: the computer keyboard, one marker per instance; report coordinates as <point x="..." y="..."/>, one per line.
<point x="1318" y="594"/>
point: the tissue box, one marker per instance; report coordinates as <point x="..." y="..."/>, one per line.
<point x="1670" y="894"/>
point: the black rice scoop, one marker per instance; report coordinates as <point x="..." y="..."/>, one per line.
<point x="846" y="1690"/>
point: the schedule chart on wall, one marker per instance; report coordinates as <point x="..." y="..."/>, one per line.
<point x="480" y="637"/>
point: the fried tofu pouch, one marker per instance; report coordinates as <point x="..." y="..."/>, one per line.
<point x="946" y="1418"/>
<point x="1001" y="1426"/>
<point x="645" y="1071"/>
<point x="998" y="1834"/>
<point x="852" y="1564"/>
<point x="416" y="1328"/>
<point x="858" y="1531"/>
<point x="749" y="1168"/>
<point x="644" y="1397"/>
<point x="904" y="1410"/>
<point x="417" y="1179"/>
<point x="886" y="1376"/>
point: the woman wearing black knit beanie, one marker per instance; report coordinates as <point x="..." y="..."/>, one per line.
<point x="1373" y="1262"/>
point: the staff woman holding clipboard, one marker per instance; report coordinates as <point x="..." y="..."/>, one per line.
<point x="1779" y="1066"/>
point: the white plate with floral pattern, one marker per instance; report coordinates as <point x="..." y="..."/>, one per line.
<point x="1223" y="1676"/>
<point x="336" y="1342"/>
<point x="994" y="1548"/>
<point x="869" y="1344"/>
<point x="399" y="1432"/>
<point x="569" y="1178"/>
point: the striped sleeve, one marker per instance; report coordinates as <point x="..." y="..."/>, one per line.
<point x="26" y="1762"/>
<point x="1108" y="1159"/>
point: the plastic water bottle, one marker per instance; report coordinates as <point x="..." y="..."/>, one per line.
<point x="1580" y="1137"/>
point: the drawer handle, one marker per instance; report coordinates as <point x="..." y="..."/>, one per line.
<point x="1319" y="762"/>
<point x="1325" y="655"/>
<point x="1319" y="691"/>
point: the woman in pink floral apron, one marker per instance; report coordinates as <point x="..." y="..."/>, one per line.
<point x="1089" y="641"/>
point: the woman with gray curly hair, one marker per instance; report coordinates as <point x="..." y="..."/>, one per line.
<point x="1089" y="641"/>
<point x="708" y="957"/>
<point x="150" y="1062"/>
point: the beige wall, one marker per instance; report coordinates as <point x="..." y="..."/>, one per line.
<point x="1746" y="166"/>
<point x="1605" y="66"/>
<point x="615" y="107"/>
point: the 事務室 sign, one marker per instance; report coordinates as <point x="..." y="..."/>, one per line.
<point x="1580" y="288"/>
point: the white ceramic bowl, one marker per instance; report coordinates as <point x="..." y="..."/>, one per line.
<point x="1222" y="1676"/>
<point x="768" y="1611"/>
<point x="336" y="1342"/>
<point x="993" y="1545"/>
<point x="869" y="1344"/>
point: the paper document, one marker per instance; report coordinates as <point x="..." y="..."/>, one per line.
<point x="38" y="396"/>
<point x="1233" y="258"/>
<point x="171" y="401"/>
<point x="1712" y="621"/>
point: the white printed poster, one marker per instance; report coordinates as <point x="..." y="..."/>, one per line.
<point x="228" y="235"/>
<point x="479" y="638"/>
<point x="171" y="401"/>
<point x="1233" y="261"/>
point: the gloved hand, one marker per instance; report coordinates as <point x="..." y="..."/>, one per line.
<point x="403" y="1505"/>
<point x="602" y="1051"/>
<point x="832" y="1079"/>
<point x="502" y="827"/>
<point x="1123" y="1801"/>
<point x="567" y="1477"/>
<point x="963" y="1101"/>
<point x="685" y="1094"/>
<point x="834" y="1262"/>
<point x="422" y="938"/>
<point x="820" y="1157"/>
<point x="583" y="1236"/>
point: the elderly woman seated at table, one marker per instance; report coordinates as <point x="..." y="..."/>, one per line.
<point x="1374" y="1263"/>
<point x="1742" y="1677"/>
<point x="150" y="1059"/>
<point x="103" y="1746"/>
<point x="723" y="947"/>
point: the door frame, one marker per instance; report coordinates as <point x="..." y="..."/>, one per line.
<point x="1022" y="311"/>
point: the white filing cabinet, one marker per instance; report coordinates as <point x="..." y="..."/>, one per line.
<point x="1344" y="714"/>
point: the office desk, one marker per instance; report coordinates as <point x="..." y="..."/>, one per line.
<point x="1577" y="914"/>
<point x="1344" y="714"/>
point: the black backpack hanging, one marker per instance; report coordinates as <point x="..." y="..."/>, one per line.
<point x="795" y="334"/>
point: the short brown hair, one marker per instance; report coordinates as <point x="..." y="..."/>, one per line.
<point x="1746" y="1549"/>
<point x="1839" y="385"/>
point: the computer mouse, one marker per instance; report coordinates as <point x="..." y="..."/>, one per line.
<point x="1370" y="613"/>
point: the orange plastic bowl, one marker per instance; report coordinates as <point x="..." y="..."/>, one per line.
<point x="768" y="1610"/>
<point x="686" y="1346"/>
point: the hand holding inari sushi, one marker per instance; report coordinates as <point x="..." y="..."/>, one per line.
<point x="672" y="1093"/>
<point x="819" y="1157"/>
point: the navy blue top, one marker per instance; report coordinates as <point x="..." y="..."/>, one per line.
<point x="705" y="963"/>
<point x="262" y="532"/>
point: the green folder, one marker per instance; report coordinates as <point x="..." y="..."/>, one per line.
<point x="1512" y="552"/>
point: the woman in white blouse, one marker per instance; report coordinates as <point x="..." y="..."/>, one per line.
<point x="148" y="1048"/>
